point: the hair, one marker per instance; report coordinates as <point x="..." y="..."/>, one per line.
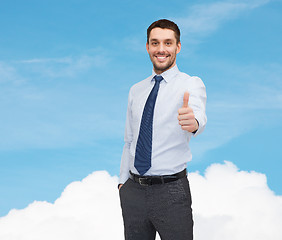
<point x="164" y="24"/>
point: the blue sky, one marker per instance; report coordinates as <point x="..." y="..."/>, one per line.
<point x="66" y="68"/>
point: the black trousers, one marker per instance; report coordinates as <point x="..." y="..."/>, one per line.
<point x="163" y="208"/>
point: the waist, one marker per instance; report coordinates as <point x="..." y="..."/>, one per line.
<point x="161" y="179"/>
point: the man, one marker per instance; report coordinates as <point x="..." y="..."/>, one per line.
<point x="163" y="112"/>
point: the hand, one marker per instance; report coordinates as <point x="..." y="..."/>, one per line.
<point x="119" y="187"/>
<point x="186" y="116"/>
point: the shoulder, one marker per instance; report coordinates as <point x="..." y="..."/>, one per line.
<point x="140" y="85"/>
<point x="190" y="81"/>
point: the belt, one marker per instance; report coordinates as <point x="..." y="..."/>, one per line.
<point x="150" y="180"/>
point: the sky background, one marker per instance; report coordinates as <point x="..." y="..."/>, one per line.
<point x="66" y="68"/>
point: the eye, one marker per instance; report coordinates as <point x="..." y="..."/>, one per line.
<point x="168" y="43"/>
<point x="154" y="43"/>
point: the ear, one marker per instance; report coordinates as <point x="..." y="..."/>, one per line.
<point x="178" y="47"/>
<point x="147" y="47"/>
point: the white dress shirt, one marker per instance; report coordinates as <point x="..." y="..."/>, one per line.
<point x="170" y="144"/>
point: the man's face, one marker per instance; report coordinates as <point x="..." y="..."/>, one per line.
<point x="162" y="49"/>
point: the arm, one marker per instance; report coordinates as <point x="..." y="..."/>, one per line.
<point x="125" y="159"/>
<point x="191" y="115"/>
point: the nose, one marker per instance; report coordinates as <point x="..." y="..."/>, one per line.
<point x="161" y="47"/>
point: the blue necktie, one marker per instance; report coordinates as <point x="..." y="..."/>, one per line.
<point x="144" y="143"/>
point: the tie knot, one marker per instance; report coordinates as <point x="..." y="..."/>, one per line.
<point x="158" y="78"/>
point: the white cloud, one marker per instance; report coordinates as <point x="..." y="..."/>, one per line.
<point x="227" y="204"/>
<point x="244" y="98"/>
<point x="9" y="74"/>
<point x="49" y="68"/>
<point x="200" y="20"/>
<point x="86" y="210"/>
<point x="231" y="204"/>
<point x="48" y="60"/>
<point x="57" y="102"/>
<point x="69" y="66"/>
<point x="203" y="19"/>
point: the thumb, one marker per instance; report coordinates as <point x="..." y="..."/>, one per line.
<point x="185" y="100"/>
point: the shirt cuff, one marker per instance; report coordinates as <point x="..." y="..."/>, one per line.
<point x="123" y="178"/>
<point x="202" y="123"/>
<point x="198" y="126"/>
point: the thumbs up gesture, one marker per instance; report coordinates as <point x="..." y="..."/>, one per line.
<point x="186" y="116"/>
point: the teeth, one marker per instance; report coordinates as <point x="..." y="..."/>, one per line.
<point x="161" y="57"/>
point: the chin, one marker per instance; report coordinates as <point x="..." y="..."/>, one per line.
<point x="162" y="68"/>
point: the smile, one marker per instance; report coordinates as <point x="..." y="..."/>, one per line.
<point x="161" y="58"/>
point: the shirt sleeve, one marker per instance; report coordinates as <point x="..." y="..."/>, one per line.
<point x="197" y="101"/>
<point x="125" y="158"/>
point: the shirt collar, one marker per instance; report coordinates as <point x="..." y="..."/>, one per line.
<point x="168" y="74"/>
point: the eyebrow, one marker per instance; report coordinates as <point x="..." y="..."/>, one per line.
<point x="155" y="39"/>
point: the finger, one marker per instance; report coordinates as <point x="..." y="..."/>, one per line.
<point x="185" y="110"/>
<point x="188" y="128"/>
<point x="185" y="100"/>
<point x="186" y="116"/>
<point x="188" y="122"/>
